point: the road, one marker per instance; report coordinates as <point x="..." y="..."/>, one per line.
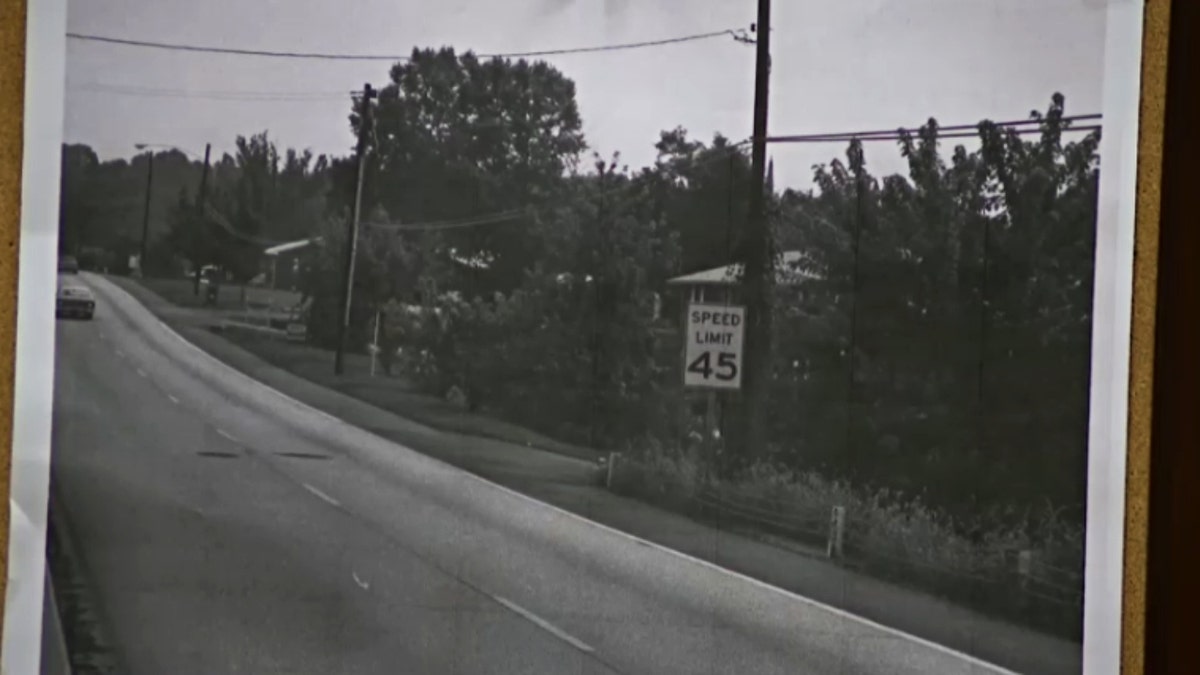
<point x="226" y="529"/>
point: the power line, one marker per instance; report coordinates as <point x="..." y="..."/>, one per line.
<point x="732" y="33"/>
<point x="436" y="226"/>
<point x="219" y="219"/>
<point x="225" y="95"/>
<point x="897" y="137"/>
<point x="1022" y="127"/>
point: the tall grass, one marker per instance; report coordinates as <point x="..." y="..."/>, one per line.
<point x="971" y="560"/>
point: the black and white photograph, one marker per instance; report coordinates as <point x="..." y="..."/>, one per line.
<point x="548" y="336"/>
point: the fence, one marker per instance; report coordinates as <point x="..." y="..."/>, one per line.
<point x="1016" y="583"/>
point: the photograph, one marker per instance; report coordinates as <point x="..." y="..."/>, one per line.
<point x="548" y="336"/>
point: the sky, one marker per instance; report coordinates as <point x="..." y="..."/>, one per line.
<point x="838" y="66"/>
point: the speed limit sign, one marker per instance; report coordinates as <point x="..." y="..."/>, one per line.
<point x="713" y="351"/>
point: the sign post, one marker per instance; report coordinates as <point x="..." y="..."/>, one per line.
<point x="374" y="348"/>
<point x="713" y="349"/>
<point x="713" y="361"/>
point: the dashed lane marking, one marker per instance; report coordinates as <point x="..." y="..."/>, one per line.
<point x="321" y="495"/>
<point x="544" y="624"/>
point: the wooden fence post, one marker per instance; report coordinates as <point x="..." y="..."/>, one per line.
<point x="1024" y="568"/>
<point x="837" y="532"/>
<point x="612" y="465"/>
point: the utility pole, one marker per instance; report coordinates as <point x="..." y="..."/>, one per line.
<point x="146" y="215"/>
<point x="352" y="233"/>
<point x="759" y="256"/>
<point x="201" y="198"/>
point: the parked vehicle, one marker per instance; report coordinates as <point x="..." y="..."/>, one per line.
<point x="74" y="301"/>
<point x="67" y="264"/>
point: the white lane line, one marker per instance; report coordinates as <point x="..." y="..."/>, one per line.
<point x="544" y="624"/>
<point x="120" y="354"/>
<point x="227" y="436"/>
<point x="173" y="399"/>
<point x="321" y="495"/>
<point x="361" y="584"/>
<point x="141" y="373"/>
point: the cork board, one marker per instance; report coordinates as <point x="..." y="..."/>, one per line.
<point x="1150" y="147"/>
<point x="12" y="91"/>
<point x="12" y="78"/>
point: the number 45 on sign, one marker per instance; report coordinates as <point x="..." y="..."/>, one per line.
<point x="713" y="351"/>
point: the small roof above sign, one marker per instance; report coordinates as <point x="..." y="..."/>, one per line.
<point x="290" y="246"/>
<point x="793" y="267"/>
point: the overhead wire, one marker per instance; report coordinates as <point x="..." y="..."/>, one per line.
<point x="1021" y="127"/>
<point x="219" y="219"/>
<point x="710" y="157"/>
<point x="328" y="56"/>
<point x="439" y="225"/>
<point x="721" y="154"/>
<point x="224" y="95"/>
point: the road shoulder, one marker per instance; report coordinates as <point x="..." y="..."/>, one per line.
<point x="570" y="484"/>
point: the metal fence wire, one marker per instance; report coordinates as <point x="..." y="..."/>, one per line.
<point x="1013" y="583"/>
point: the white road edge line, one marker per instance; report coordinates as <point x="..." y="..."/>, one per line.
<point x="323" y="497"/>
<point x="544" y="624"/>
<point x="227" y="436"/>
<point x="963" y="656"/>
<point x="120" y="354"/>
<point x="141" y="373"/>
<point x="173" y="399"/>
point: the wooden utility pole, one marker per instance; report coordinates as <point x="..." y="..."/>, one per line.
<point x="364" y="128"/>
<point x="201" y="198"/>
<point x="759" y="257"/>
<point x="146" y="215"/>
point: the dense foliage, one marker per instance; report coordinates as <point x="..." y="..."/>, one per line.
<point x="941" y="356"/>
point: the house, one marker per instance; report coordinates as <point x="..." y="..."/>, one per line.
<point x="287" y="262"/>
<point x="722" y="285"/>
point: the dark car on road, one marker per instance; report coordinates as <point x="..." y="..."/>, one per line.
<point x="68" y="265"/>
<point x="74" y="301"/>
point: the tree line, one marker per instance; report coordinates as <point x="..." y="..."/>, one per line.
<point x="939" y="352"/>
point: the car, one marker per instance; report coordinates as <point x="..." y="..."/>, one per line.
<point x="68" y="265"/>
<point x="75" y="301"/>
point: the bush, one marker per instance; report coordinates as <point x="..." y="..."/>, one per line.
<point x="887" y="534"/>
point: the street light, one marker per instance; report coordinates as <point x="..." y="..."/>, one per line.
<point x="146" y="211"/>
<point x="149" y="185"/>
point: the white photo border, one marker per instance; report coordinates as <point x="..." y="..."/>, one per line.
<point x="45" y="61"/>
<point x="1112" y="328"/>
<point x="33" y="384"/>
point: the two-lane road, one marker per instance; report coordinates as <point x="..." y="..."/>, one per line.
<point x="225" y="529"/>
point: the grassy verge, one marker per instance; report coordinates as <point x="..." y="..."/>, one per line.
<point x="394" y="394"/>
<point x="888" y="538"/>
<point x="181" y="292"/>
<point x="884" y="536"/>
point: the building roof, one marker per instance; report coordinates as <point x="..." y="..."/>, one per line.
<point x="793" y="267"/>
<point x="290" y="246"/>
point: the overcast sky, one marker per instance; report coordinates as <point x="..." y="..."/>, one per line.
<point x="839" y="65"/>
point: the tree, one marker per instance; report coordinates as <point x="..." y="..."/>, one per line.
<point x="456" y="137"/>
<point x="955" y="310"/>
<point x="101" y="202"/>
<point x="706" y="197"/>
<point x="263" y="198"/>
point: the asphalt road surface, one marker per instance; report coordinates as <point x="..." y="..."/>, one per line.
<point x="224" y="528"/>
